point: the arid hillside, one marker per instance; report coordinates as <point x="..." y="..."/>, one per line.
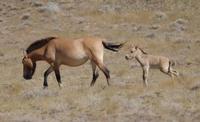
<point x="162" y="27"/>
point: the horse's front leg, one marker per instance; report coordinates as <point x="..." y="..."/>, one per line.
<point x="46" y="73"/>
<point x="58" y="78"/>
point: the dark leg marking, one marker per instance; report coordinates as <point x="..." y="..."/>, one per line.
<point x="107" y="74"/>
<point x="94" y="78"/>
<point x="105" y="71"/>
<point x="143" y="76"/>
<point x="47" y="72"/>
<point x="58" y="78"/>
<point x="95" y="73"/>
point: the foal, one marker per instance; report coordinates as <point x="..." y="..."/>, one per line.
<point x="146" y="61"/>
<point x="61" y="51"/>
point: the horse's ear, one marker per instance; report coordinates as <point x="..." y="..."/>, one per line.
<point x="143" y="51"/>
<point x="24" y="53"/>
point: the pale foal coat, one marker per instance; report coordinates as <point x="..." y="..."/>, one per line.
<point x="150" y="61"/>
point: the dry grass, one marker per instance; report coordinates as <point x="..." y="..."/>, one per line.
<point x="170" y="28"/>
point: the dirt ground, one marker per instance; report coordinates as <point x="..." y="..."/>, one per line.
<point x="162" y="27"/>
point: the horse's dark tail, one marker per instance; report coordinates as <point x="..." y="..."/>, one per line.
<point x="113" y="47"/>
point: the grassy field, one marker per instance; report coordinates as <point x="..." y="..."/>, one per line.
<point x="162" y="27"/>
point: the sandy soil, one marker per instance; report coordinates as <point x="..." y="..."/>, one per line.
<point x="161" y="27"/>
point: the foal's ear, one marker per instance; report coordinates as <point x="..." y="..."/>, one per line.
<point x="143" y="51"/>
<point x="130" y="45"/>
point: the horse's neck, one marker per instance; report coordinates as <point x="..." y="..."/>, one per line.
<point x="35" y="56"/>
<point x="139" y="58"/>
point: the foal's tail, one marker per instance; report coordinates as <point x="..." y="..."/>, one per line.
<point x="171" y="63"/>
<point x="113" y="47"/>
<point x="169" y="68"/>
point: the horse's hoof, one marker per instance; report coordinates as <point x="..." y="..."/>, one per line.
<point x="92" y="84"/>
<point x="60" y="85"/>
<point x="45" y="87"/>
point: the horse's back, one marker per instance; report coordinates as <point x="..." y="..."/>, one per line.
<point x="88" y="42"/>
<point x="93" y="44"/>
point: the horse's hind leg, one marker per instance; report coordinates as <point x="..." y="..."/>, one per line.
<point x="104" y="70"/>
<point x="95" y="73"/>
<point x="47" y="72"/>
<point x="96" y="55"/>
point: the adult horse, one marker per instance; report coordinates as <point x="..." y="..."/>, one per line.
<point x="61" y="51"/>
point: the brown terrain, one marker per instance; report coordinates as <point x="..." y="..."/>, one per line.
<point x="162" y="27"/>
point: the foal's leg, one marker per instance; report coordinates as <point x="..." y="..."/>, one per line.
<point x="47" y="72"/>
<point x="172" y="72"/>
<point x="145" y="74"/>
<point x="175" y="72"/>
<point x="58" y="78"/>
<point x="95" y="73"/>
<point x="167" y="71"/>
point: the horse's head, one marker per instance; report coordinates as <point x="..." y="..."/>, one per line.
<point x="132" y="53"/>
<point x="28" y="67"/>
<point x="135" y="51"/>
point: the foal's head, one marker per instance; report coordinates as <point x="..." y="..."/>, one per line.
<point x="28" y="67"/>
<point x="133" y="52"/>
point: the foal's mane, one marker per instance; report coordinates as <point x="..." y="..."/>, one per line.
<point x="143" y="51"/>
<point x="38" y="44"/>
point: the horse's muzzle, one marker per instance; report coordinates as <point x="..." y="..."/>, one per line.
<point x="27" y="77"/>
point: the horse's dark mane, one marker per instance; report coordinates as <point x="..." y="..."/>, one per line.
<point x="38" y="44"/>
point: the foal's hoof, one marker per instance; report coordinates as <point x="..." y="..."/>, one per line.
<point x="146" y="85"/>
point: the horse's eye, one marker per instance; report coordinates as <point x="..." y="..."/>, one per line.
<point x="22" y="61"/>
